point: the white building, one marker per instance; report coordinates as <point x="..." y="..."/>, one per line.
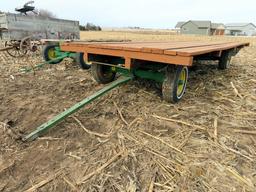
<point x="240" y="29"/>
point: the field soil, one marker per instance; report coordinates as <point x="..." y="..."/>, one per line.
<point x="129" y="139"/>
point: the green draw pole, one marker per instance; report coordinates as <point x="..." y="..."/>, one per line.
<point x="51" y="123"/>
<point x="29" y="69"/>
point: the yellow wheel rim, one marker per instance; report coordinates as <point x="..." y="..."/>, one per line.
<point x="51" y="54"/>
<point x="182" y="82"/>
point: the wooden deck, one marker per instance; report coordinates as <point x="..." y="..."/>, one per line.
<point x="179" y="52"/>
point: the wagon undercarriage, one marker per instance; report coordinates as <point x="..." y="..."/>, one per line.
<point x="166" y="63"/>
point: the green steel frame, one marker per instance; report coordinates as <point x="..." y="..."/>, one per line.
<point x="60" y="55"/>
<point x="57" y="119"/>
<point x="127" y="75"/>
<point x="144" y="74"/>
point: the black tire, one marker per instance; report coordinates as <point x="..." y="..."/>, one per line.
<point x="79" y="58"/>
<point x="171" y="91"/>
<point x="102" y="73"/>
<point x="48" y="54"/>
<point x="225" y="59"/>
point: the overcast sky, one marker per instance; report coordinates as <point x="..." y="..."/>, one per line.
<point x="144" y="13"/>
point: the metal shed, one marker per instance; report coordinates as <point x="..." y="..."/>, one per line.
<point x="240" y="29"/>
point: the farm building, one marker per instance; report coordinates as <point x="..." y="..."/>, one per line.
<point x="200" y="28"/>
<point x="217" y="29"/>
<point x="179" y="24"/>
<point x="240" y="29"/>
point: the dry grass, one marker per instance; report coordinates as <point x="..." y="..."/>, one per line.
<point x="158" y="36"/>
<point x="131" y="140"/>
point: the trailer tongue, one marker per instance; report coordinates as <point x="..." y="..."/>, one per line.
<point x="46" y="126"/>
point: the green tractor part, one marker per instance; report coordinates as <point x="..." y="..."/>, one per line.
<point x="57" y="119"/>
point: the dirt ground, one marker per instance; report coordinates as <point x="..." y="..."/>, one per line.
<point x="129" y="139"/>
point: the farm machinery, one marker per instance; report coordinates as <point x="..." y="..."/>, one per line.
<point x="22" y="33"/>
<point x="166" y="63"/>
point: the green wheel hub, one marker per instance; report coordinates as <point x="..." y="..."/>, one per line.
<point x="51" y="54"/>
<point x="175" y="82"/>
<point x="182" y="80"/>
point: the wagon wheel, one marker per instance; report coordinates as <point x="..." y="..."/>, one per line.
<point x="25" y="44"/>
<point x="102" y="74"/>
<point x="49" y="53"/>
<point x="225" y="60"/>
<point x="79" y="59"/>
<point x="175" y="82"/>
<point x="15" y="52"/>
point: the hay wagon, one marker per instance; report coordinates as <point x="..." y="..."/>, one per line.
<point x="22" y="33"/>
<point x="166" y="63"/>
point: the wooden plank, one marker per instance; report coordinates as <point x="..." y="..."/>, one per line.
<point x="164" y="45"/>
<point x="170" y="50"/>
<point x="128" y="63"/>
<point x="117" y="45"/>
<point x="156" y="47"/>
<point x="169" y="59"/>
<point x="148" y="47"/>
<point x="207" y="49"/>
<point x="173" y="50"/>
<point x="180" y="53"/>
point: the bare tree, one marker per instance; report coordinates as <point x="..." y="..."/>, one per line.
<point x="42" y="13"/>
<point x="46" y="13"/>
<point x="90" y="27"/>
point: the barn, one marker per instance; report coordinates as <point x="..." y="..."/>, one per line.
<point x="240" y="29"/>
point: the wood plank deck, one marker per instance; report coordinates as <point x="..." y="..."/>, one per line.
<point x="174" y="52"/>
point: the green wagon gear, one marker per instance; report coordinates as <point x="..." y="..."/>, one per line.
<point x="175" y="83"/>
<point x="50" y="54"/>
<point x="57" y="119"/>
<point x="162" y="69"/>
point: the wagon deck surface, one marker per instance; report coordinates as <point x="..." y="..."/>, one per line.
<point x="179" y="53"/>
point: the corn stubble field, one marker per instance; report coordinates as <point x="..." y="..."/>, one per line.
<point x="130" y="139"/>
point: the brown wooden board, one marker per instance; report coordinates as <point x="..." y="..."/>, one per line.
<point x="206" y="49"/>
<point x="174" y="52"/>
<point x="151" y="47"/>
